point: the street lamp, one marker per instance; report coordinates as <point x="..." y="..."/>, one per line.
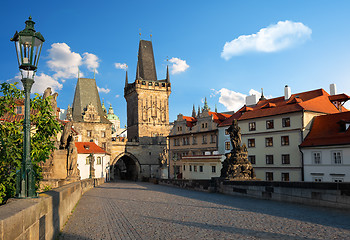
<point x="28" y="45"/>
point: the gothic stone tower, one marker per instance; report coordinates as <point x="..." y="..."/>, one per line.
<point x="88" y="118"/>
<point x="147" y="99"/>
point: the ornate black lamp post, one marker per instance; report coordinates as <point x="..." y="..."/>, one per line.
<point x="28" y="45"/>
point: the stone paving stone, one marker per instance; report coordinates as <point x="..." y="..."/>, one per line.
<point x="136" y="210"/>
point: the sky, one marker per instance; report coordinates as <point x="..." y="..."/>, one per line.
<point x="219" y="50"/>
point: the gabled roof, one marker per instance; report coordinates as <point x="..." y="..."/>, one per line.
<point x="315" y="100"/>
<point x="328" y="130"/>
<point x="89" y="147"/>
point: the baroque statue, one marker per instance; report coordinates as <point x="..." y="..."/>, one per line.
<point x="236" y="166"/>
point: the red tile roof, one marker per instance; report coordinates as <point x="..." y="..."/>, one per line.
<point x="217" y="117"/>
<point x="236" y="115"/>
<point x="316" y="101"/>
<point x="328" y="130"/>
<point x="88" y="147"/>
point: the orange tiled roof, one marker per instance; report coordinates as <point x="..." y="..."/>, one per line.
<point x="236" y="115"/>
<point x="88" y="147"/>
<point x="217" y="117"/>
<point x="329" y="130"/>
<point x="315" y="100"/>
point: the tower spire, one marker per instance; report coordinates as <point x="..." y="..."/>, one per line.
<point x="194" y="111"/>
<point x="216" y="109"/>
<point x="126" y="78"/>
<point x="167" y="74"/>
<point x="205" y="105"/>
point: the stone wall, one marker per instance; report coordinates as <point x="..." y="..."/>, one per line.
<point x="335" y="195"/>
<point x="42" y="217"/>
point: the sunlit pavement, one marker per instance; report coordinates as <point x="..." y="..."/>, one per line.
<point x="137" y="210"/>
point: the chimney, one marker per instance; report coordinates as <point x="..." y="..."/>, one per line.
<point x="251" y="100"/>
<point x="332" y="89"/>
<point x="287" y="92"/>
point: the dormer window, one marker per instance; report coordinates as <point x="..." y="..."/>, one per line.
<point x="86" y="147"/>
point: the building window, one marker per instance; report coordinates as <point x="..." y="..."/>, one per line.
<point x="285" y="159"/>
<point x="269" y="176"/>
<point x="201" y="168"/>
<point x="89" y="133"/>
<point x="103" y="134"/>
<point x="204" y="125"/>
<point x="213" y="138"/>
<point x="251" y="143"/>
<point x="252" y="126"/>
<point x="284" y="140"/>
<point x="337" y="180"/>
<point x="195" y="168"/>
<point x="184" y="167"/>
<point x="336" y="157"/>
<point x="213" y="169"/>
<point x="317" y="179"/>
<point x="226" y="132"/>
<point x="19" y="110"/>
<point x="87" y="160"/>
<point x="269" y="124"/>
<point x="269" y="142"/>
<point x="104" y="145"/>
<point x="98" y="162"/>
<point x="285" y="122"/>
<point x="194" y="140"/>
<point x="204" y="139"/>
<point x="185" y="141"/>
<point x="269" y="159"/>
<point x="316" y="157"/>
<point x="251" y="159"/>
<point x="227" y="146"/>
<point x="285" y="177"/>
<point x="190" y="168"/>
<point x="179" y="129"/>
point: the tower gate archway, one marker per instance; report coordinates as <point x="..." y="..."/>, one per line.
<point x="125" y="166"/>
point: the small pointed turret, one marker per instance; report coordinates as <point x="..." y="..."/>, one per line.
<point x="216" y="109"/>
<point x="126" y="78"/>
<point x="206" y="105"/>
<point x="262" y="95"/>
<point x="137" y="72"/>
<point x="167" y="74"/>
<point x="199" y="111"/>
<point x="194" y="111"/>
<point x="110" y="110"/>
<point x="103" y="107"/>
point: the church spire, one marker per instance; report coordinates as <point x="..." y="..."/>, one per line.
<point x="194" y="111"/>
<point x="146" y="68"/>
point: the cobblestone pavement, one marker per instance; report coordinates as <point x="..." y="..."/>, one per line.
<point x="135" y="210"/>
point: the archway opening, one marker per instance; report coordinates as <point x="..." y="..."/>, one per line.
<point x="125" y="169"/>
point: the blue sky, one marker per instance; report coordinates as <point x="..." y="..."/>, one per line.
<point x="304" y="44"/>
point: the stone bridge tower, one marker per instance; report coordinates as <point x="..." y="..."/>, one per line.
<point x="147" y="112"/>
<point x="147" y="98"/>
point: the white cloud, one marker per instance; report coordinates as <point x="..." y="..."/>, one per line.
<point x="121" y="66"/>
<point x="233" y="100"/>
<point x="63" y="61"/>
<point x="91" y="61"/>
<point x="117" y="95"/>
<point x="103" y="90"/>
<point x="178" y="66"/>
<point x="273" y="38"/>
<point x="41" y="82"/>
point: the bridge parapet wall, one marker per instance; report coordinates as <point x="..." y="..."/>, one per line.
<point x="42" y="217"/>
<point x="335" y="195"/>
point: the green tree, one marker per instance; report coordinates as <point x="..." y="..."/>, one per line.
<point x="43" y="133"/>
